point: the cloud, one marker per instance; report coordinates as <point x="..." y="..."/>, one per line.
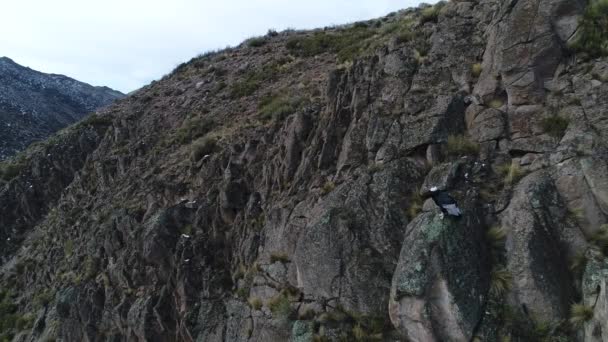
<point x="125" y="44"/>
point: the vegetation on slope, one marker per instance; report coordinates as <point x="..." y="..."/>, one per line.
<point x="592" y="37"/>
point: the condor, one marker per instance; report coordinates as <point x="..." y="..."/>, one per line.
<point x="445" y="202"/>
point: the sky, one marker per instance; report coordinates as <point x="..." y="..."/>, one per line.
<point x="125" y="44"/>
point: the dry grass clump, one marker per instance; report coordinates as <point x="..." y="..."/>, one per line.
<point x="460" y="145"/>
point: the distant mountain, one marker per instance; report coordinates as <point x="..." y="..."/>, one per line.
<point x="33" y="105"/>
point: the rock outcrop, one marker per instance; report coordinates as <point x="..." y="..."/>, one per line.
<point x="278" y="191"/>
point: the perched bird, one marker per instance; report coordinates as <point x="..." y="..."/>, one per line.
<point x="445" y="202"/>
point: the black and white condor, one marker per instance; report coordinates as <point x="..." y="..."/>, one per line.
<point x="445" y="202"/>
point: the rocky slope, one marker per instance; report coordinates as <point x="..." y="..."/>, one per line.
<point x="275" y="191"/>
<point x="34" y="105"/>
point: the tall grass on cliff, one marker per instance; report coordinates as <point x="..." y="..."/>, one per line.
<point x="592" y="37"/>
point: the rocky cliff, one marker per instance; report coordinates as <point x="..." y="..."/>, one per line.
<point x="34" y="105"/>
<point x="276" y="191"/>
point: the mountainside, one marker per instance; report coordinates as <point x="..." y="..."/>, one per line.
<point x="34" y="105"/>
<point x="279" y="190"/>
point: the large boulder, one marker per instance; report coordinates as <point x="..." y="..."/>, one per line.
<point x="441" y="281"/>
<point x="541" y="241"/>
<point x="573" y="179"/>
<point x="351" y="241"/>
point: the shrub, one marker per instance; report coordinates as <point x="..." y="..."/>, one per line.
<point x="193" y="128"/>
<point x="460" y="145"/>
<point x="257" y="41"/>
<point x="6" y="307"/>
<point x="90" y="267"/>
<point x="44" y="297"/>
<point x="25" y="322"/>
<point x="476" y="69"/>
<point x="278" y="107"/>
<point x="318" y="43"/>
<point x="68" y="248"/>
<point x="496" y="103"/>
<point x="579" y="314"/>
<point x="328" y="187"/>
<point x="431" y="14"/>
<point x="359" y="333"/>
<point x="555" y="125"/>
<point x="280" y="306"/>
<point x="244" y="88"/>
<point x="576" y="213"/>
<point x="346" y="43"/>
<point x="201" y="147"/>
<point x="496" y="237"/>
<point x="400" y="29"/>
<point x="242" y="292"/>
<point x="404" y="37"/>
<point x="259" y="222"/>
<point x="420" y="58"/>
<point x="511" y="172"/>
<point x="253" y="80"/>
<point x="600" y="238"/>
<point x="593" y="30"/>
<point x="579" y="262"/>
<point x="96" y="120"/>
<point x="280" y="257"/>
<point x="415" y="205"/>
<point x="500" y="281"/>
<point x="10" y="170"/>
<point x="255" y="303"/>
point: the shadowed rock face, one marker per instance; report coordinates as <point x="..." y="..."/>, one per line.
<point x="34" y="105"/>
<point x="441" y="281"/>
<point x="270" y="193"/>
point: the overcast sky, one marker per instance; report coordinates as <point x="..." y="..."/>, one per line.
<point x="125" y="44"/>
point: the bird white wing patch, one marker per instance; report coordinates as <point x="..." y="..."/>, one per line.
<point x="452" y="209"/>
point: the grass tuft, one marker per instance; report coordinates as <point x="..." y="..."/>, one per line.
<point x="460" y="145"/>
<point x="193" y="128"/>
<point x="579" y="262"/>
<point x="496" y="103"/>
<point x="347" y="43"/>
<point x="255" y="303"/>
<point x="600" y="238"/>
<point x="10" y="170"/>
<point x="476" y="69"/>
<point x="500" y="281"/>
<point x="278" y="107"/>
<point x="593" y="29"/>
<point x="431" y="14"/>
<point x="280" y="306"/>
<point x="415" y="207"/>
<point x="576" y="213"/>
<point x="279" y="257"/>
<point x="555" y="125"/>
<point x="579" y="314"/>
<point x="202" y="146"/>
<point x="257" y="42"/>
<point x="328" y="187"/>
<point x="511" y="173"/>
<point x="496" y="237"/>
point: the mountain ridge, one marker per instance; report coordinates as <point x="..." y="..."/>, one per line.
<point x="33" y="104"/>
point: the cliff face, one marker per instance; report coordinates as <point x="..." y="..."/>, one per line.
<point x="275" y="191"/>
<point x="34" y="105"/>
